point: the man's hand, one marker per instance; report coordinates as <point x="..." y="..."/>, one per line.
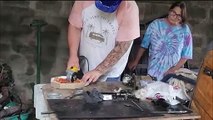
<point x="73" y="61"/>
<point x="91" y="76"/>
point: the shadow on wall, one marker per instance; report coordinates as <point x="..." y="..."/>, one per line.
<point x="49" y="39"/>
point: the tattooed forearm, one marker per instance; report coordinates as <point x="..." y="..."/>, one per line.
<point x="114" y="56"/>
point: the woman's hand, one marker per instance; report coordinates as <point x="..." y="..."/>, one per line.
<point x="170" y="71"/>
<point x="132" y="65"/>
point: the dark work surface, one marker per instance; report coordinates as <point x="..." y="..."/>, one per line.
<point x="78" y="109"/>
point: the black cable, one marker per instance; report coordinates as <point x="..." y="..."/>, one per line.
<point x="84" y="58"/>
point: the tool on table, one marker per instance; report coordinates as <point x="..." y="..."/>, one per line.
<point x="182" y="101"/>
<point x="103" y="96"/>
<point x="73" y="73"/>
<point x="166" y="108"/>
<point x="171" y="112"/>
<point x="134" y="107"/>
<point x="91" y="97"/>
<point x="160" y="102"/>
<point x="130" y="80"/>
<point x="137" y="105"/>
<point x="179" y="77"/>
<point x="119" y="96"/>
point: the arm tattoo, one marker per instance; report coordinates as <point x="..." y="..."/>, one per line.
<point x="114" y="56"/>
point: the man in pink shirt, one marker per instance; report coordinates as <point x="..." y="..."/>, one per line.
<point x="103" y="31"/>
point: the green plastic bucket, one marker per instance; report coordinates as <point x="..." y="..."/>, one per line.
<point x="23" y="116"/>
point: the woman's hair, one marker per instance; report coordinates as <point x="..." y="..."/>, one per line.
<point x="182" y="6"/>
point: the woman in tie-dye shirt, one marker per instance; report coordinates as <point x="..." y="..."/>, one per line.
<point x="169" y="41"/>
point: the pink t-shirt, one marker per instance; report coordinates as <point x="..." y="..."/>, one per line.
<point x="127" y="16"/>
<point x="100" y="31"/>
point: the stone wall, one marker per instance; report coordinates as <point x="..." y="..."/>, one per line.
<point x="18" y="39"/>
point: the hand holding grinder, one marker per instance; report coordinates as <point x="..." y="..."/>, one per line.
<point x="73" y="73"/>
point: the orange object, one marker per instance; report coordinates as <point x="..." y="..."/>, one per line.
<point x="203" y="94"/>
<point x="63" y="80"/>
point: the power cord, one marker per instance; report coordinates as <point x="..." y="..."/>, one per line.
<point x="83" y="58"/>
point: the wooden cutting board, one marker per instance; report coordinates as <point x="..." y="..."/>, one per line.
<point x="59" y="85"/>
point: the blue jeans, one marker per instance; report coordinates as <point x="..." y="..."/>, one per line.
<point x="113" y="79"/>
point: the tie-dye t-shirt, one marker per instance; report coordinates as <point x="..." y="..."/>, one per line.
<point x="167" y="44"/>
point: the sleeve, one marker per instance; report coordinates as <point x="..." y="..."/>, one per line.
<point x="187" y="46"/>
<point x="129" y="28"/>
<point x="75" y="17"/>
<point x="146" y="40"/>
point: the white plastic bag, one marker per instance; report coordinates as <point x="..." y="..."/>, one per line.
<point x="158" y="89"/>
